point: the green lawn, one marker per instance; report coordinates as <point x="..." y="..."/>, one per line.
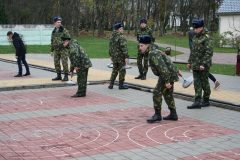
<point x="223" y="69"/>
<point x="184" y="42"/>
<point x="95" y="47"/>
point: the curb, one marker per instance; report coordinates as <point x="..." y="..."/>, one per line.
<point x="180" y="95"/>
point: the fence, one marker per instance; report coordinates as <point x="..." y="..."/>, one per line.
<point x="32" y="34"/>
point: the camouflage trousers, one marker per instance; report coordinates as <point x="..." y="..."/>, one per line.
<point x="61" y="54"/>
<point x="201" y="83"/>
<point x="160" y="90"/>
<point x="82" y="82"/>
<point x="117" y="67"/>
<point x="141" y="56"/>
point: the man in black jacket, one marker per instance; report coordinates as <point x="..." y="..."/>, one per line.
<point x="20" y="53"/>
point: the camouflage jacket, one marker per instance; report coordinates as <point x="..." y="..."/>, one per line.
<point x="145" y="31"/>
<point x="118" y="47"/>
<point x="162" y="66"/>
<point x="202" y="51"/>
<point x="78" y="56"/>
<point x="56" y="41"/>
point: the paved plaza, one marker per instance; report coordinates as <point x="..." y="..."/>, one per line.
<point x="46" y="123"/>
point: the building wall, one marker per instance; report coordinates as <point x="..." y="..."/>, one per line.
<point x="32" y="34"/>
<point x="228" y="23"/>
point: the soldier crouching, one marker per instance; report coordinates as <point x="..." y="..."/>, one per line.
<point x="167" y="72"/>
<point x="80" y="62"/>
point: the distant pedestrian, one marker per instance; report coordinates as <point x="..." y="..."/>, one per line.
<point x="191" y="34"/>
<point x="199" y="61"/>
<point x="20" y="53"/>
<point x="80" y="62"/>
<point x="167" y="73"/>
<point x="143" y="68"/>
<point x="60" y="51"/>
<point x="217" y="83"/>
<point x="118" y="53"/>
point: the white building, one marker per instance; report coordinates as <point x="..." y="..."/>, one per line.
<point x="229" y="16"/>
<point x="32" y="34"/>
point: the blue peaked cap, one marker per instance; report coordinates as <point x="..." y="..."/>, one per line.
<point x="198" y="23"/>
<point x="117" y="26"/>
<point x="55" y="19"/>
<point x="145" y="39"/>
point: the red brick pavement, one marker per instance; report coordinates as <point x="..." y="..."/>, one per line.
<point x="45" y="100"/>
<point x="91" y="133"/>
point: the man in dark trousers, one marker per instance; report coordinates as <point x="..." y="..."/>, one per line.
<point x="167" y="73"/>
<point x="191" y="34"/>
<point x="20" y="53"/>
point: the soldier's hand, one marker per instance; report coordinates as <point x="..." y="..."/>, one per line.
<point x="179" y="73"/>
<point x="51" y="54"/>
<point x="71" y="74"/>
<point x="126" y="60"/>
<point x="76" y="68"/>
<point x="201" y="68"/>
<point x="111" y="58"/>
<point x="168" y="85"/>
<point x="188" y="66"/>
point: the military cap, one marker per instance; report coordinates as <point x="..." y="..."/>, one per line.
<point x="55" y="19"/>
<point x="145" y="39"/>
<point x="117" y="26"/>
<point x="66" y="38"/>
<point x="143" y="20"/>
<point x="198" y="23"/>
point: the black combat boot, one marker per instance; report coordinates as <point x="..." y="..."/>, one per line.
<point x="156" y="117"/>
<point x="59" y="77"/>
<point x="144" y="76"/>
<point x="172" y="116"/>
<point x="205" y="102"/>
<point x="65" y="77"/>
<point x="111" y="84"/>
<point x="121" y="86"/>
<point x="140" y="76"/>
<point x="196" y="104"/>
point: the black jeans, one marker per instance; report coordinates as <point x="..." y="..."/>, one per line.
<point x="21" y="59"/>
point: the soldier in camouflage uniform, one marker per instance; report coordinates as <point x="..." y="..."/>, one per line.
<point x="199" y="62"/>
<point x="144" y="30"/>
<point x="60" y="51"/>
<point x="167" y="72"/>
<point x="80" y="62"/>
<point x="119" y="55"/>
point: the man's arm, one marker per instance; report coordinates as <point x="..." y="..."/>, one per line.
<point x="208" y="53"/>
<point x="17" y="46"/>
<point x="161" y="67"/>
<point x="123" y="46"/>
<point x="51" y="48"/>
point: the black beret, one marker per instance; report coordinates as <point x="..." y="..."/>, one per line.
<point x="55" y="19"/>
<point x="145" y="39"/>
<point x="143" y="21"/>
<point x="117" y="26"/>
<point x="198" y="23"/>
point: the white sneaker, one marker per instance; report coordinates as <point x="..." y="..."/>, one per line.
<point x="126" y="67"/>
